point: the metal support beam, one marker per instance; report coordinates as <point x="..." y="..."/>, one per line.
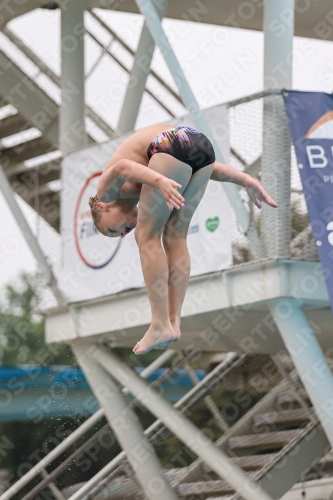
<point x="128" y="49"/>
<point x="56" y="492"/>
<point x="212" y="407"/>
<point x="72" y="127"/>
<point x="179" y="425"/>
<point x="147" y="8"/>
<point x="278" y="28"/>
<point x="27" y="177"/>
<point x="276" y="160"/>
<point x="293" y="462"/>
<point x="25" y="151"/>
<point x="54" y="78"/>
<point x="29" y="237"/>
<point x="103" y="473"/>
<point x="17" y="169"/>
<point x="126" y="426"/>
<point x="11" y="10"/>
<point x="32" y="103"/>
<point x="308" y="358"/>
<point x="118" y="60"/>
<point x="13" y="124"/>
<point x="48" y="201"/>
<point x="138" y="76"/>
<point x="276" y="177"/>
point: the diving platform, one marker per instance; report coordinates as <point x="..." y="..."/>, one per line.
<point x="223" y="311"/>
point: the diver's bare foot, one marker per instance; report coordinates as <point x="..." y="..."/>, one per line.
<point x="176" y="329"/>
<point x="156" y="337"/>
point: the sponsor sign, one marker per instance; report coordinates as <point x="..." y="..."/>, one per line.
<point x="310" y="116"/>
<point x="94" y="265"/>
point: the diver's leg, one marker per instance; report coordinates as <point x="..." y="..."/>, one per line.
<point x="152" y="216"/>
<point x="179" y="265"/>
<point x="174" y="242"/>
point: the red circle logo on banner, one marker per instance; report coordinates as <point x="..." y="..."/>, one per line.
<point x="94" y="249"/>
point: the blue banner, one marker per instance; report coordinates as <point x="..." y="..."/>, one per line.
<point x="310" y="117"/>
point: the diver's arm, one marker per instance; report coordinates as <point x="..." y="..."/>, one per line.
<point x="109" y="184"/>
<point x="226" y="173"/>
<point x="256" y="192"/>
<point x="114" y="177"/>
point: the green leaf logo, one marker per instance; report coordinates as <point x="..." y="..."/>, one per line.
<point x="212" y="224"/>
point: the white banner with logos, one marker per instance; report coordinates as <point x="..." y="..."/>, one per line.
<point x="94" y="265"/>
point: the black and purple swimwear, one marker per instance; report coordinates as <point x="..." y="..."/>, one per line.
<point x="186" y="144"/>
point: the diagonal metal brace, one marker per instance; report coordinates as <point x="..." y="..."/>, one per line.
<point x="308" y="358"/>
<point x="183" y="428"/>
<point x="37" y="252"/>
<point x="125" y="425"/>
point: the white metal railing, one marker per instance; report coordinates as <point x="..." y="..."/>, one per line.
<point x="75" y="435"/>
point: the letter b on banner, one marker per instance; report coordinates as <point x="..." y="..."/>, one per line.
<point x="316" y="155"/>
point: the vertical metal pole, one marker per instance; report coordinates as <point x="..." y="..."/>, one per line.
<point x="275" y="176"/>
<point x="72" y="128"/>
<point x="183" y="428"/>
<point x="278" y="30"/>
<point x="308" y="358"/>
<point x="155" y="27"/>
<point x="278" y="43"/>
<point x="138" y="76"/>
<point x="125" y="425"/>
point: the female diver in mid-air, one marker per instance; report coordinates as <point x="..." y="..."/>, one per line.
<point x="168" y="192"/>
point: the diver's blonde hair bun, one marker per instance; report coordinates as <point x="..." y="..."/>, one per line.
<point x="92" y="201"/>
<point x="95" y="213"/>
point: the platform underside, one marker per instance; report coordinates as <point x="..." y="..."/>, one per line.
<point x="312" y="19"/>
<point x="224" y="311"/>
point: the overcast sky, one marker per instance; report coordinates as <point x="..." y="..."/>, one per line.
<point x="206" y="53"/>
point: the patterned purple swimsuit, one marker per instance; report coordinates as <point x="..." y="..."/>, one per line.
<point x="186" y="144"/>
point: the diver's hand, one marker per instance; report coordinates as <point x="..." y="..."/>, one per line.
<point x="257" y="193"/>
<point x="168" y="188"/>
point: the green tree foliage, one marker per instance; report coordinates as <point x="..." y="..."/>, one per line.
<point x="22" y="331"/>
